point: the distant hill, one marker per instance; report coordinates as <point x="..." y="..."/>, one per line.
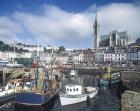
<point x="7" y="47"/>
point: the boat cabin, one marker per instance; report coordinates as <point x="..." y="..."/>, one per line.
<point x="73" y="89"/>
<point x="73" y="73"/>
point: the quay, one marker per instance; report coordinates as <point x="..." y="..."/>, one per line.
<point x="130" y="78"/>
<point x="13" y="73"/>
<point x="130" y="99"/>
<point x="90" y="70"/>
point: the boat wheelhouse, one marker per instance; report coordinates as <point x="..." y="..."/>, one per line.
<point x="73" y="89"/>
<point x="76" y="93"/>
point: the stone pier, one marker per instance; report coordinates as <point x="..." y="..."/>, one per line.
<point x="131" y="79"/>
<point x="130" y="101"/>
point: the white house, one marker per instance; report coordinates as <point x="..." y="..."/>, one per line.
<point x="110" y="57"/>
<point x="78" y="57"/>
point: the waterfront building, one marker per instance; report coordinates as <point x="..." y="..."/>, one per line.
<point x="78" y="57"/>
<point x="109" y="55"/>
<point x="89" y="57"/>
<point x="120" y="54"/>
<point x="133" y="55"/>
<point x="99" y="55"/>
<point x="11" y="55"/>
<point x="62" y="58"/>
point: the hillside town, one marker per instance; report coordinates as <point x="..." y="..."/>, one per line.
<point x="102" y="77"/>
<point x="115" y="48"/>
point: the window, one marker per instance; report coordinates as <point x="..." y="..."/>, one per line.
<point x="67" y="89"/>
<point x="73" y="89"/>
<point x="76" y="89"/>
<point x="70" y="90"/>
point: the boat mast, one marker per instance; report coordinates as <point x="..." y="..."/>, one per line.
<point x="51" y="62"/>
<point x="14" y="51"/>
<point x="37" y="59"/>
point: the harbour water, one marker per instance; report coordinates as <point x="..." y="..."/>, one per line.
<point x="106" y="100"/>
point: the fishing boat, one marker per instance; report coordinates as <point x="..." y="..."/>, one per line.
<point x="115" y="78"/>
<point x="41" y="89"/>
<point x="76" y="94"/>
<point x="107" y="77"/>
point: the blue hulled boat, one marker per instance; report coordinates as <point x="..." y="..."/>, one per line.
<point x="107" y="77"/>
<point x="40" y="90"/>
<point x="34" y="98"/>
<point x="108" y="81"/>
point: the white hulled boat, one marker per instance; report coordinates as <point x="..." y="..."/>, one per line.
<point x="8" y="89"/>
<point x="7" y="93"/>
<point x="76" y="94"/>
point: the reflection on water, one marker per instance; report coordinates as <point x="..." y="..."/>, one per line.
<point x="106" y="100"/>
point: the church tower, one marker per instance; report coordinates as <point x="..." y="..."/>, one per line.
<point x="96" y="37"/>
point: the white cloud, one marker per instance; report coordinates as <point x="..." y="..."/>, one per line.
<point x="9" y="30"/>
<point x="59" y="27"/>
<point x="56" y="24"/>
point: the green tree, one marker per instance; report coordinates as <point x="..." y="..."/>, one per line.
<point x="137" y="41"/>
<point x="24" y="61"/>
<point x="61" y="48"/>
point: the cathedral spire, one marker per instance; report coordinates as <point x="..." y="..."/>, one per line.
<point x="96" y="27"/>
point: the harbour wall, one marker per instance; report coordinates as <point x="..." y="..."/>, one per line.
<point x="130" y="99"/>
<point x="131" y="79"/>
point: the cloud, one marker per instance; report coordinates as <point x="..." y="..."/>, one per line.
<point x="121" y="17"/>
<point x="9" y="30"/>
<point x="58" y="27"/>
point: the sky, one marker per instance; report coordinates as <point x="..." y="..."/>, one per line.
<point x="66" y="22"/>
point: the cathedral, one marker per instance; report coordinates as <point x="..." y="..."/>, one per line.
<point x="112" y="39"/>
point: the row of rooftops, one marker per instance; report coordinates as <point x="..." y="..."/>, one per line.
<point x="132" y="48"/>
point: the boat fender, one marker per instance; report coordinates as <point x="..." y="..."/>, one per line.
<point x="88" y="101"/>
<point x="88" y="97"/>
